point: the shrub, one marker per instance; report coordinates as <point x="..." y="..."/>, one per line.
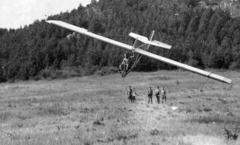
<point x="234" y="66"/>
<point x="106" y="71"/>
<point x="46" y="73"/>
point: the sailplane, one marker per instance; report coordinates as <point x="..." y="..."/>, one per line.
<point x="141" y="50"/>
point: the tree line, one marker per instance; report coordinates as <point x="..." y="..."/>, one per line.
<point x="201" y="37"/>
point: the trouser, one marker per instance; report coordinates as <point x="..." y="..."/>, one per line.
<point x="158" y="99"/>
<point x="164" y="98"/>
<point x="120" y="67"/>
<point x="123" y="67"/>
<point x="149" y="99"/>
<point x="126" y="67"/>
<point x="130" y="99"/>
<point x="133" y="99"/>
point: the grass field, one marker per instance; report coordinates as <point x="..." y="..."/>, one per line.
<point x="95" y="110"/>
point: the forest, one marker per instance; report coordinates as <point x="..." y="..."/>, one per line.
<point x="201" y="37"/>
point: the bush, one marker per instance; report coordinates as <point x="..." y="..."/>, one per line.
<point x="67" y="72"/>
<point x="106" y="71"/>
<point x="70" y="72"/>
<point x="46" y="73"/>
<point x="193" y="62"/>
<point x="234" y="66"/>
<point x="90" y="70"/>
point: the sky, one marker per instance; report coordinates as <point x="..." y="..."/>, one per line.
<point x="17" y="13"/>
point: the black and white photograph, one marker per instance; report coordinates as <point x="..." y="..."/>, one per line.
<point x="120" y="72"/>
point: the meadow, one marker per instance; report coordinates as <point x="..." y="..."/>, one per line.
<point x="95" y="110"/>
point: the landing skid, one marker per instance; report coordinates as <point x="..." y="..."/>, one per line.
<point x="124" y="73"/>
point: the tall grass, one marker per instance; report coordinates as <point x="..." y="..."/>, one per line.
<point x="95" y="110"/>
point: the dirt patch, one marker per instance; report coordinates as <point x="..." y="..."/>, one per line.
<point x="203" y="140"/>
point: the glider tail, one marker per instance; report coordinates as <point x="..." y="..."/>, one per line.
<point x="149" y="41"/>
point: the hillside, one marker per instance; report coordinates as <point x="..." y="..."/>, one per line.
<point x="201" y="37"/>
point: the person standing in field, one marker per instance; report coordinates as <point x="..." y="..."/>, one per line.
<point x="150" y="93"/>
<point x="157" y="93"/>
<point x="134" y="95"/>
<point x="129" y="94"/>
<point x="163" y="95"/>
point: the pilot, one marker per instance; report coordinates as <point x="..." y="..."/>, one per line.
<point x="125" y="62"/>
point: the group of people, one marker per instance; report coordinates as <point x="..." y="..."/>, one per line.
<point x="159" y="93"/>
<point x="131" y="93"/>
